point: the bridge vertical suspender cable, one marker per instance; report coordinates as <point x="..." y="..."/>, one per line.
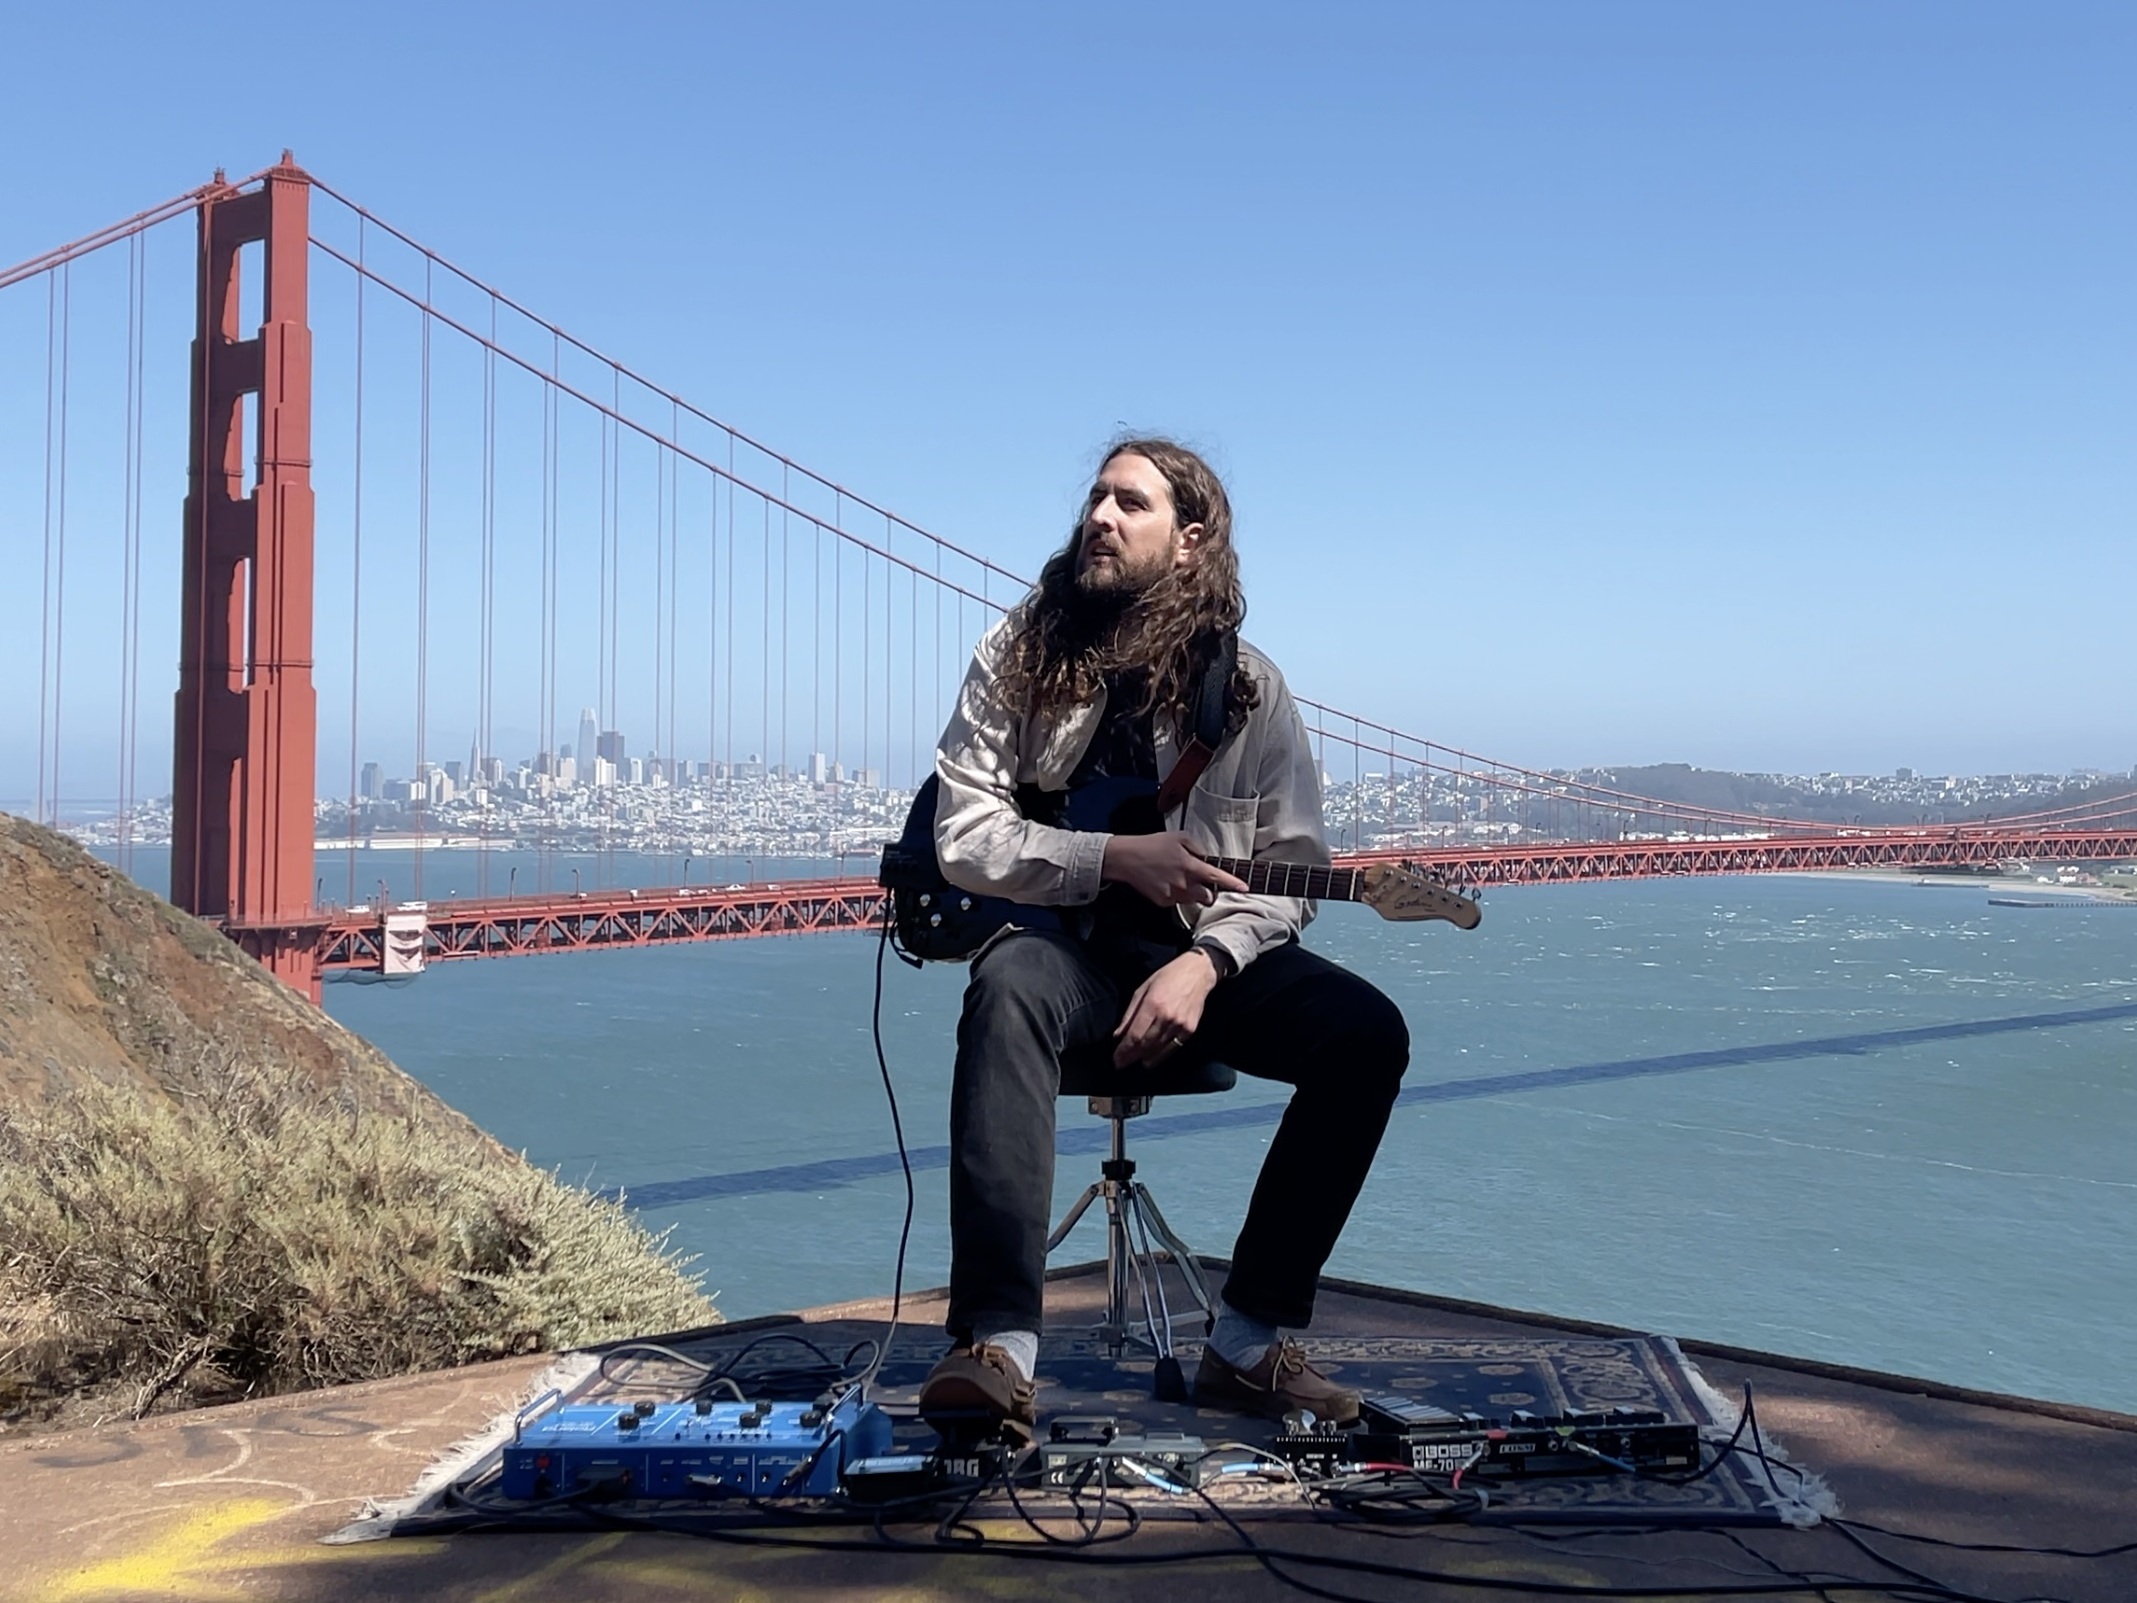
<point x="546" y="628"/>
<point x="816" y="651"/>
<point x="786" y="579"/>
<point x="486" y="616"/>
<point x="890" y="584"/>
<point x="733" y="532"/>
<point x="838" y="652"/>
<point x="654" y="757"/>
<point x="764" y="640"/>
<point x="676" y="774"/>
<point x="44" y="594"/>
<point x="59" y="584"/>
<point x="867" y="655"/>
<point x="712" y="646"/>
<point x="605" y="670"/>
<point x="423" y="588"/>
<point x="130" y="549"/>
<point x="356" y="562"/>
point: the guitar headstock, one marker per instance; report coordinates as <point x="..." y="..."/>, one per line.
<point x="1399" y="892"/>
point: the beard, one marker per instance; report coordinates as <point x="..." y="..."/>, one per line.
<point x="1099" y="601"/>
<point x="1119" y="578"/>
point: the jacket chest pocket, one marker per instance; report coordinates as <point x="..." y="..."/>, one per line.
<point x="1223" y="825"/>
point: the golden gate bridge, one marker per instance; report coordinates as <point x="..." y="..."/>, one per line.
<point x="410" y="503"/>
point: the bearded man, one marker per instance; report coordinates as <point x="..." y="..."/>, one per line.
<point x="1090" y="677"/>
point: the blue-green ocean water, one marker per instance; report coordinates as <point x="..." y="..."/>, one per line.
<point x="1904" y="1136"/>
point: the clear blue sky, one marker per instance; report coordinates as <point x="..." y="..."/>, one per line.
<point x="1747" y="384"/>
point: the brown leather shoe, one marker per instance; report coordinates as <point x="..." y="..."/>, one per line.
<point x="976" y="1384"/>
<point x="1282" y="1381"/>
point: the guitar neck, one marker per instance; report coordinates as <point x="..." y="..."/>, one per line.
<point x="1296" y="879"/>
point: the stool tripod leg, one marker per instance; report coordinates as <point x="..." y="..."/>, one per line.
<point x="1120" y="1256"/>
<point x="1167" y="1381"/>
<point x="1146" y="1269"/>
<point x="1190" y="1270"/>
<point x="1068" y="1220"/>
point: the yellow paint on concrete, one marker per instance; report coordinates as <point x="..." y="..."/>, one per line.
<point x="178" y="1562"/>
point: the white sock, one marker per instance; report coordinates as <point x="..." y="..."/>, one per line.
<point x="1022" y="1346"/>
<point x="1238" y="1340"/>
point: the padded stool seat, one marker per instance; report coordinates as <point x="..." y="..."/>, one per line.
<point x="1135" y="1229"/>
<point x="1091" y="1073"/>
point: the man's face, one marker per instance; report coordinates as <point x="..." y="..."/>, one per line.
<point x="1129" y="540"/>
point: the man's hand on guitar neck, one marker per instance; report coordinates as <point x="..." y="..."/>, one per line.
<point x="1165" y="1011"/>
<point x="1165" y="869"/>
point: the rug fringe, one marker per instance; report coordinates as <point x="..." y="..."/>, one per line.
<point x="1807" y="1500"/>
<point x="378" y="1517"/>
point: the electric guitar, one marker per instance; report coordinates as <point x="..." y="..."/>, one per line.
<point x="1395" y="891"/>
<point x="935" y="921"/>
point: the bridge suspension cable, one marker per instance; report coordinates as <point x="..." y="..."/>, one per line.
<point x="525" y="515"/>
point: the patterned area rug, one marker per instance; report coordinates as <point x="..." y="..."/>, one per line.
<point x="1544" y="1375"/>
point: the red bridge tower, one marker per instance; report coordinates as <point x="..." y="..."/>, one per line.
<point x="245" y="758"/>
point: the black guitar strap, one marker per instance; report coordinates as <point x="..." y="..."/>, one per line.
<point x="1206" y="719"/>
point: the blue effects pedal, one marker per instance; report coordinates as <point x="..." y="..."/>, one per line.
<point x="696" y="1449"/>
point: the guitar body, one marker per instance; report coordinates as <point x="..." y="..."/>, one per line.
<point x="1116" y="807"/>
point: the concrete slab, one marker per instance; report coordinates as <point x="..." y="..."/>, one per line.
<point x="233" y="1503"/>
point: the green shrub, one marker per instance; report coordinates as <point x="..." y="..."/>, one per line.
<point x="236" y="1240"/>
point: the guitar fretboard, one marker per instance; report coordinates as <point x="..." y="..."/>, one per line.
<point x="1296" y="879"/>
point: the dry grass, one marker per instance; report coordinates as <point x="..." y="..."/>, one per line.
<point x="235" y="1240"/>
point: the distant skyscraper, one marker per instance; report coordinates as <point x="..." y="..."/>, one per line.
<point x="589" y="733"/>
<point x="610" y="745"/>
<point x="372" y="785"/>
<point x="818" y="771"/>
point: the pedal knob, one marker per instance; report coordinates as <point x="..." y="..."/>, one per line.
<point x="927" y="898"/>
<point x="934" y="920"/>
<point x="964" y="904"/>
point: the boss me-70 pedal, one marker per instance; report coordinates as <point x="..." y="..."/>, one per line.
<point x="694" y="1449"/>
<point x="1400" y="1430"/>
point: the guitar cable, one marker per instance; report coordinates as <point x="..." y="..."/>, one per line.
<point x="905" y="1162"/>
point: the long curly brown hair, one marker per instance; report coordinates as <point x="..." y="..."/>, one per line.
<point x="1061" y="647"/>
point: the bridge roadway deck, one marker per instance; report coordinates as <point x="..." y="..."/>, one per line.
<point x="610" y="919"/>
<point x="233" y="1502"/>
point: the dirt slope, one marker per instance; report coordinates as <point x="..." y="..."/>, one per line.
<point x="100" y="978"/>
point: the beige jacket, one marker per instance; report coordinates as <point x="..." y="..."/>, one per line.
<point x="1260" y="797"/>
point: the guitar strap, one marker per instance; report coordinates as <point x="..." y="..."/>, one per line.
<point x="1205" y="723"/>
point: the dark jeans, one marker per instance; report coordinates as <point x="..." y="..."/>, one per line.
<point x="1290" y="1015"/>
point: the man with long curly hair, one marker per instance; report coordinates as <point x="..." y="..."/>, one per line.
<point x="1092" y="676"/>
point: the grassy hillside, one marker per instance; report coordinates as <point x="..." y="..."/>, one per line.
<point x="209" y="1189"/>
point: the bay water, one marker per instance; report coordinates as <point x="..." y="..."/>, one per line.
<point x="1865" y="1120"/>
